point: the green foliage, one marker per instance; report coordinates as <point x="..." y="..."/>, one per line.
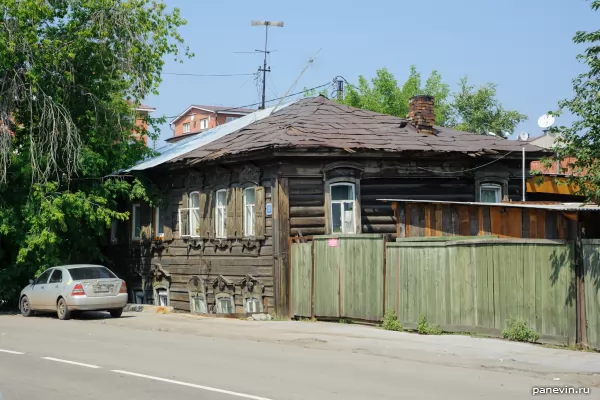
<point x="344" y="321"/>
<point x="384" y="95"/>
<point x="425" y="328"/>
<point x="582" y="139"/>
<point x="71" y="75"/>
<point x="519" y="331"/>
<point x="471" y="109"/>
<point x="391" y="322"/>
<point x="478" y="110"/>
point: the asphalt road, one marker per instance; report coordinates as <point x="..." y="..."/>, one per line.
<point x="44" y="358"/>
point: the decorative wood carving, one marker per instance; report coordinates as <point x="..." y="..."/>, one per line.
<point x="223" y="285"/>
<point x="251" y="285"/>
<point x="194" y="180"/>
<point x="219" y="176"/>
<point x="249" y="173"/>
<point x="196" y="286"/>
<point x="342" y="169"/>
<point x="159" y="276"/>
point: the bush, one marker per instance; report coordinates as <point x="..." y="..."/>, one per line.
<point x="424" y="328"/>
<point x="390" y="322"/>
<point x="519" y="331"/>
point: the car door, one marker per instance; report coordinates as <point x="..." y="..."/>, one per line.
<point x="53" y="289"/>
<point x="38" y="290"/>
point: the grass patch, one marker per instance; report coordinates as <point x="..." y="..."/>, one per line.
<point x="302" y="319"/>
<point x="391" y="322"/>
<point x="517" y="330"/>
<point x="425" y="328"/>
<point x="344" y="321"/>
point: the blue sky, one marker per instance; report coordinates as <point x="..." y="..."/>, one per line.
<point x="523" y="46"/>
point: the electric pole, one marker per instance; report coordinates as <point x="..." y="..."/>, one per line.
<point x="264" y="68"/>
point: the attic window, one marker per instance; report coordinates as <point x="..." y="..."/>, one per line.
<point x="490" y="193"/>
<point x="204" y="123"/>
<point x="186" y="127"/>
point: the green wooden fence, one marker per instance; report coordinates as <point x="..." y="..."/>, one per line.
<point x="348" y="276"/>
<point x="476" y="285"/>
<point x="301" y="279"/>
<point x="591" y="264"/>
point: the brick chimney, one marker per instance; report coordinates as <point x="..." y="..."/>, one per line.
<point x="420" y="113"/>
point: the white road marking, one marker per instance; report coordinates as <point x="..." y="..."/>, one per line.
<point x="71" y="362"/>
<point x="10" y="352"/>
<point x="208" y="388"/>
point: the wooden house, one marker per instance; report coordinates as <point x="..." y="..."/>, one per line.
<point x="233" y="196"/>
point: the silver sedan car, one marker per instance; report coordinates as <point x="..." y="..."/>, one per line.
<point x="80" y="287"/>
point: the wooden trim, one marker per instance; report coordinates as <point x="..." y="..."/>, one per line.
<point x="480" y="217"/>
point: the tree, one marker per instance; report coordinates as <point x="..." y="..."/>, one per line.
<point x="580" y="143"/>
<point x="71" y="75"/>
<point x="478" y="110"/>
<point x="385" y="96"/>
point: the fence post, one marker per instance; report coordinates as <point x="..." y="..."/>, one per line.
<point x="312" y="278"/>
<point x="581" y="320"/>
<point x="384" y="271"/>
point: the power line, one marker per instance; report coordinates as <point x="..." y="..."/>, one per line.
<point x="207" y="75"/>
<point x="255" y="104"/>
<point x="466" y="170"/>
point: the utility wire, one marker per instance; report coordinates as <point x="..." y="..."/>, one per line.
<point x="206" y="75"/>
<point x="466" y="170"/>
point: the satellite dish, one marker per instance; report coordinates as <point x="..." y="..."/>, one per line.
<point x="545" y="121"/>
<point x="523" y="136"/>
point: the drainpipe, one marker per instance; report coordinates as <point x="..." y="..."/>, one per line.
<point x="524" y="188"/>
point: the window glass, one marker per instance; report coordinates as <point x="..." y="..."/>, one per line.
<point x="56" y="276"/>
<point x="204" y="123"/>
<point x="341" y="192"/>
<point x="225" y="306"/>
<point x="252" y="305"/>
<point x="186" y="127"/>
<point x="194" y="204"/>
<point x="249" y="202"/>
<point x="82" y="273"/>
<point x="342" y="208"/>
<point x="43" y="278"/>
<point x="163" y="299"/>
<point x="159" y="227"/>
<point x="199" y="304"/>
<point x="490" y="194"/>
<point x="221" y="213"/>
<point x="136" y="222"/>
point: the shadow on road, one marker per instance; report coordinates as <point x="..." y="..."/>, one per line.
<point x="83" y="316"/>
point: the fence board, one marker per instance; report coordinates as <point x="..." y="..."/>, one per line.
<point x="591" y="263"/>
<point x="479" y="285"/>
<point x="301" y="279"/>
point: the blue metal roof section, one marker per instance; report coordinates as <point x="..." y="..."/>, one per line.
<point x="184" y="146"/>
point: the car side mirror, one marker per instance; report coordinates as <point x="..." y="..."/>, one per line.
<point x="31" y="281"/>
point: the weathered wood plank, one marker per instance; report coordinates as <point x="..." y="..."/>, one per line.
<point x="307" y="221"/>
<point x="313" y="211"/>
<point x="514" y="221"/>
<point x="473" y="221"/>
<point x="284" y="246"/>
<point x="439" y="219"/>
<point x="429" y="210"/>
<point x="464" y="221"/>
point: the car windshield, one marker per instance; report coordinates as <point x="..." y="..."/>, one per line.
<point x="91" y="273"/>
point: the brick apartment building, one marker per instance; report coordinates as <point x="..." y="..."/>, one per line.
<point x="197" y="119"/>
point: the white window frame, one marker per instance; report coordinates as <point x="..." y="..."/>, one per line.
<point x="158" y="225"/>
<point x="204" y="123"/>
<point x="491" y="186"/>
<point x="229" y="119"/>
<point x="186" y="127"/>
<point x="342" y="202"/>
<point x="202" y="298"/>
<point x="135" y="211"/>
<point x="218" y="223"/>
<point x="220" y="308"/>
<point x="191" y="210"/>
<point x="249" y="209"/>
<point x="162" y="293"/>
<point x="252" y="300"/>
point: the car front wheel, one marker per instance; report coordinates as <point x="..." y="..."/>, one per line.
<point x="62" y="310"/>
<point x="26" y="310"/>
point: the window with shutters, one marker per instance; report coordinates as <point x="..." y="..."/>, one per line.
<point x="221" y="214"/>
<point x="249" y="211"/>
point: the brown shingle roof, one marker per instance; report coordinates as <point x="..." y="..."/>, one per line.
<point x="322" y="123"/>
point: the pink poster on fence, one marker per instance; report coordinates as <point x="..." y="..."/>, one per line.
<point x="333" y="242"/>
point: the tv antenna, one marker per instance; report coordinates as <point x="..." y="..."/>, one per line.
<point x="545" y="122"/>
<point x="266" y="51"/>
